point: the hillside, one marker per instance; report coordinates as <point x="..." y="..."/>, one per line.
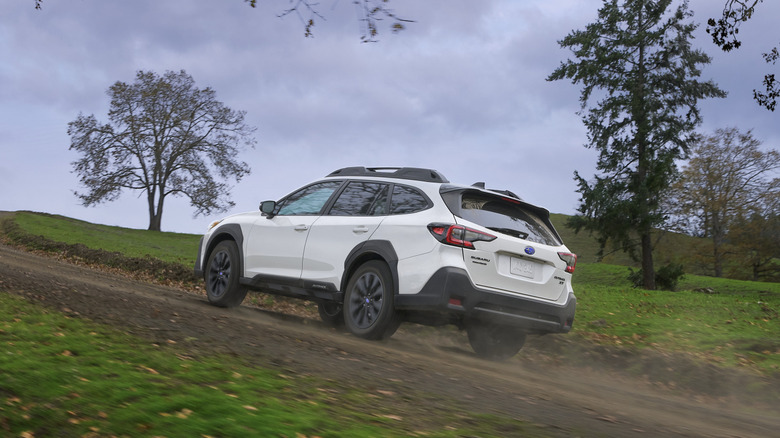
<point x="733" y="324"/>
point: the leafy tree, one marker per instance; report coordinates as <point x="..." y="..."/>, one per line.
<point x="725" y="180"/>
<point x="638" y="60"/>
<point x="164" y="137"/>
<point x="724" y="31"/>
<point x="756" y="238"/>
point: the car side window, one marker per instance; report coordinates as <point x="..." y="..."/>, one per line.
<point x="361" y="199"/>
<point x="407" y="200"/>
<point x="309" y="200"/>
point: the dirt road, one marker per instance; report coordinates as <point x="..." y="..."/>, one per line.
<point x="419" y="365"/>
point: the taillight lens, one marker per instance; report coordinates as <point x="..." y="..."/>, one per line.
<point x="458" y="235"/>
<point x="570" y="259"/>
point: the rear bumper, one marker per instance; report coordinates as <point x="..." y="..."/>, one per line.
<point x="450" y="290"/>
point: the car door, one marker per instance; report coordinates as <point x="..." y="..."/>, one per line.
<point x="354" y="216"/>
<point x="275" y="244"/>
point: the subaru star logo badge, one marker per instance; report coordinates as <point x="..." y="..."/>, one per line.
<point x="529" y="250"/>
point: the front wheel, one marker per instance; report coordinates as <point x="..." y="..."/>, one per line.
<point x="494" y="342"/>
<point x="368" y="303"/>
<point x="222" y="276"/>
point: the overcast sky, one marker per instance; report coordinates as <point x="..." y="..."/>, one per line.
<point x="462" y="90"/>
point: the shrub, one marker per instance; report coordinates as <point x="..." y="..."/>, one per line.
<point x="666" y="277"/>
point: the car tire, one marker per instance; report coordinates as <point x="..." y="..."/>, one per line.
<point x="494" y="342"/>
<point x="331" y="313"/>
<point x="222" y="276"/>
<point x="369" y="312"/>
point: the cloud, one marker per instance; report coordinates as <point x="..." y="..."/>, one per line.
<point x="462" y="90"/>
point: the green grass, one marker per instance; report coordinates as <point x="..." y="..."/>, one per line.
<point x="69" y="377"/>
<point x="735" y="325"/>
<point x="169" y="247"/>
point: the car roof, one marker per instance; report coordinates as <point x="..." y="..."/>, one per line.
<point x="410" y="173"/>
<point x="415" y="174"/>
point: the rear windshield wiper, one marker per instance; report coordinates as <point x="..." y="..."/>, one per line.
<point x="511" y="232"/>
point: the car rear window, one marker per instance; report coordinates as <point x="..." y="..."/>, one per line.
<point x="407" y="200"/>
<point x="506" y="216"/>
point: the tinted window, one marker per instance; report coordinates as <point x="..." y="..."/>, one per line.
<point x="309" y="200"/>
<point x="407" y="200"/>
<point x="361" y="199"/>
<point x="507" y="217"/>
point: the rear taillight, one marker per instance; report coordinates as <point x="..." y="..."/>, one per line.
<point x="570" y="259"/>
<point x="458" y="235"/>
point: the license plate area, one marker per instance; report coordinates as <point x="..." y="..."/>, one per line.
<point x="522" y="268"/>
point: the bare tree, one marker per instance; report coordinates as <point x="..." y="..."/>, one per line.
<point x="370" y="14"/>
<point x="725" y="179"/>
<point x="164" y="137"/>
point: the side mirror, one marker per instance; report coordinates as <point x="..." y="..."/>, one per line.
<point x="267" y="208"/>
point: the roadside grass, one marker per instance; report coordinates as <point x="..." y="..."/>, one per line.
<point x="70" y="377"/>
<point x="169" y="247"/>
<point x="727" y="322"/>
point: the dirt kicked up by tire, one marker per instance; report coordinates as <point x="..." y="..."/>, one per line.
<point x="417" y="365"/>
<point x="494" y="342"/>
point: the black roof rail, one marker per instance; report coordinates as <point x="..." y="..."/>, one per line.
<point x="412" y="173"/>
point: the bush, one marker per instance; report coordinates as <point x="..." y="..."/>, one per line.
<point x="666" y="277"/>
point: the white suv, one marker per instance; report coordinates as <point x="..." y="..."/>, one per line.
<point x="378" y="246"/>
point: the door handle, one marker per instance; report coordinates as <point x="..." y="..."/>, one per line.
<point x="301" y="227"/>
<point x="360" y="229"/>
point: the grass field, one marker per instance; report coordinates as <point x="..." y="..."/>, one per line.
<point x="735" y="325"/>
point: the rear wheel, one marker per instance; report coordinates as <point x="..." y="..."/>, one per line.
<point x="494" y="342"/>
<point x="368" y="303"/>
<point x="331" y="313"/>
<point x="222" y="276"/>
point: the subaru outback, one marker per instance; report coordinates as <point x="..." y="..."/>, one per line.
<point x="374" y="247"/>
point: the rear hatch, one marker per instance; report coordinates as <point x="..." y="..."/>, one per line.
<point x="524" y="258"/>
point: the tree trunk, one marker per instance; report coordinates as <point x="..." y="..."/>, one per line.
<point x="154" y="222"/>
<point x="648" y="270"/>
<point x="717" y="241"/>
<point x="155" y="217"/>
<point x="643" y="157"/>
<point x="717" y="258"/>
